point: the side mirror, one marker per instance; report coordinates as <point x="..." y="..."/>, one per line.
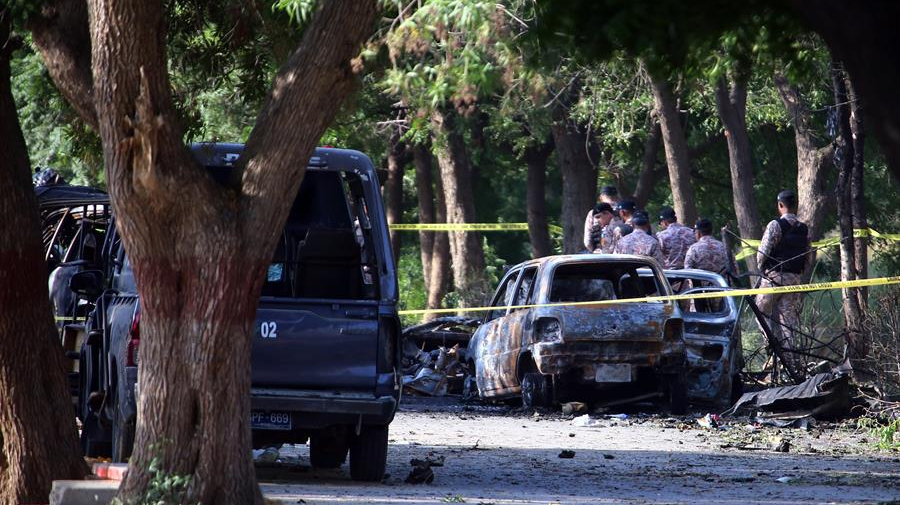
<point x="88" y="283"/>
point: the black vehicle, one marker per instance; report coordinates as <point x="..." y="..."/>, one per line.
<point x="325" y="346"/>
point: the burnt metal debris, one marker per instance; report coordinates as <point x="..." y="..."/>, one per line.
<point x="433" y="361"/>
<point x="823" y="396"/>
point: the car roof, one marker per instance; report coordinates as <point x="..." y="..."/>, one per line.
<point x="66" y="195"/>
<point x="226" y="154"/>
<point x="561" y="259"/>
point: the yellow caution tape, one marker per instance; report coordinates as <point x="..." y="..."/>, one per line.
<point x="799" y="288"/>
<point x="828" y="242"/>
<point x="469" y="227"/>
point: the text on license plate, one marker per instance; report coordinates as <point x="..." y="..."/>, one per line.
<point x="268" y="420"/>
<point x="613" y="372"/>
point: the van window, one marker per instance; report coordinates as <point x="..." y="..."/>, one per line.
<point x="326" y="249"/>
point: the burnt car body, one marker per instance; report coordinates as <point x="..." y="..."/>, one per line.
<point x="608" y="353"/>
<point x="325" y="347"/>
<point x="712" y="336"/>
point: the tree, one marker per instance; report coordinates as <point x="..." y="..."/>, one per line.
<point x="535" y="157"/>
<point x="199" y="249"/>
<point x="393" y="187"/>
<point x="675" y="145"/>
<point x="37" y="431"/>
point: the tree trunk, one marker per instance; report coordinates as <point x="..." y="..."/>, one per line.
<point x="651" y="169"/>
<point x="844" y="157"/>
<point x="579" y="173"/>
<point x="676" y="148"/>
<point x="38" y="437"/>
<point x="425" y="193"/>
<point x="732" y="106"/>
<point x="857" y="190"/>
<point x="199" y="249"/>
<point x="393" y="189"/>
<point x="441" y="272"/>
<point x="536" y="159"/>
<point x="813" y="162"/>
<point x="456" y="174"/>
<point x="859" y="35"/>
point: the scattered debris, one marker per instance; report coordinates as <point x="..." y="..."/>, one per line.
<point x="567" y="454"/>
<point x="823" y="396"/>
<point x="421" y="473"/>
<point x="453" y="499"/>
<point x="267" y="455"/>
<point x="573" y="408"/>
<point x="784" y="480"/>
<point x="781" y="445"/>
<point x="608" y="456"/>
<point x="429" y="460"/>
<point x="585" y="421"/>
<point x="709" y="421"/>
<point x="620" y="417"/>
<point x="802" y="423"/>
<point x="435" y="373"/>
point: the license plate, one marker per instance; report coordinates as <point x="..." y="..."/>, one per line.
<point x="617" y="372"/>
<point x="265" y="420"/>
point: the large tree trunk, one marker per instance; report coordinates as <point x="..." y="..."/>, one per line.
<point x="844" y="157"/>
<point x="675" y="144"/>
<point x="651" y="169"/>
<point x="456" y="174"/>
<point x="813" y="162"/>
<point x="37" y="429"/>
<point x="579" y="173"/>
<point x="732" y="106"/>
<point x="393" y="189"/>
<point x="857" y="190"/>
<point x="441" y="273"/>
<point x="536" y="160"/>
<point x="199" y="249"/>
<point x="859" y="34"/>
<point x="425" y="195"/>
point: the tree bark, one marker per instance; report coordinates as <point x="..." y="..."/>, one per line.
<point x="441" y="272"/>
<point x="676" y="148"/>
<point x="456" y="174"/>
<point x="536" y="160"/>
<point x="393" y="189"/>
<point x="579" y="173"/>
<point x="857" y="190"/>
<point x="37" y="430"/>
<point x="813" y="162"/>
<point x="731" y="103"/>
<point x="859" y="35"/>
<point x="425" y="195"/>
<point x="60" y="32"/>
<point x="651" y="169"/>
<point x="844" y="158"/>
<point x="200" y="249"/>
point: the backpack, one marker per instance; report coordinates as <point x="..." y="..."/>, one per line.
<point x="789" y="255"/>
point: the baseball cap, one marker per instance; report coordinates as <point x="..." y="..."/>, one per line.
<point x="703" y="225"/>
<point x="640" y="218"/>
<point x="609" y="191"/>
<point x="602" y="207"/>
<point x="626" y="205"/>
<point x="667" y="213"/>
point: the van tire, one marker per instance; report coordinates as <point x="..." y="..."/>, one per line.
<point x="122" y="437"/>
<point x="368" y="453"/>
<point x="327" y="450"/>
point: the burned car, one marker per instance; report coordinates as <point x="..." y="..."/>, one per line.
<point x="712" y="336"/>
<point x="607" y="353"/>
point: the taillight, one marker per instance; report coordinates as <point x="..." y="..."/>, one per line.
<point x="673" y="330"/>
<point x="548" y="330"/>
<point x="134" y="338"/>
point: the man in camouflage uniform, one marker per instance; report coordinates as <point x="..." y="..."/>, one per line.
<point x="600" y="237"/>
<point x="783" y="254"/>
<point x="707" y="253"/>
<point x="674" y="238"/>
<point x="610" y="196"/>
<point x="639" y="241"/>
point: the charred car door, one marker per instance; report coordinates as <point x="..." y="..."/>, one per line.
<point x="486" y="345"/>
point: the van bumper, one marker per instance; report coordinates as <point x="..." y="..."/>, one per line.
<point x="316" y="409"/>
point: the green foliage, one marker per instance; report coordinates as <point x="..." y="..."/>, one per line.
<point x="164" y="488"/>
<point x="885" y="432"/>
<point x="298" y="10"/>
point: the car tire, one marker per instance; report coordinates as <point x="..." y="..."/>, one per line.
<point x="536" y="391"/>
<point x="368" y="453"/>
<point x="327" y="451"/>
<point x="677" y="394"/>
<point x="122" y="437"/>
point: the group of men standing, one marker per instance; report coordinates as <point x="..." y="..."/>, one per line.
<point x="615" y="226"/>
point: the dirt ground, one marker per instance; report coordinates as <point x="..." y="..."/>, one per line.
<point x="499" y="455"/>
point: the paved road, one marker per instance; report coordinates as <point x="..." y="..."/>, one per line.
<point x="503" y="455"/>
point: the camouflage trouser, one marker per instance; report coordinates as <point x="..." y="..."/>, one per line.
<point x="783" y="308"/>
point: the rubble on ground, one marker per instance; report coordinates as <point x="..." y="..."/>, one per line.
<point x="433" y="360"/>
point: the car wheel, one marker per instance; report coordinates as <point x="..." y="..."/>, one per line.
<point x="327" y="451"/>
<point x="368" y="453"/>
<point x="122" y="437"/>
<point x="678" y="397"/>
<point x="536" y="391"/>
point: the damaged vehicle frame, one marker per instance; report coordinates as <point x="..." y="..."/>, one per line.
<point x="609" y="353"/>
